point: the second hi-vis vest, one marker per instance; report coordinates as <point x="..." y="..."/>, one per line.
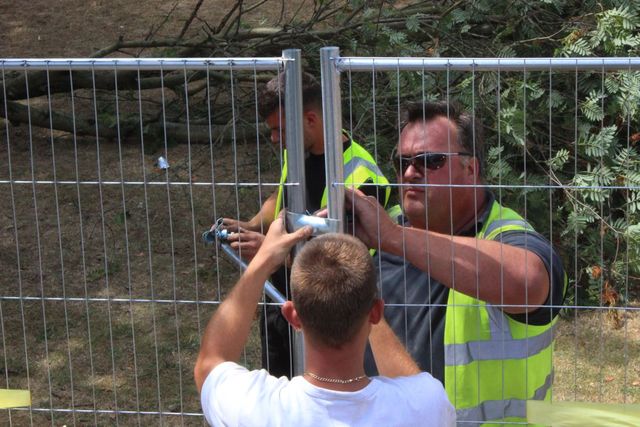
<point x="494" y="364"/>
<point x="359" y="167"/>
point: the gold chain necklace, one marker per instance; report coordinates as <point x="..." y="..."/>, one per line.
<point x="335" y="380"/>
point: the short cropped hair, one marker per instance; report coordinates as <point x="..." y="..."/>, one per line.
<point x="470" y="135"/>
<point x="333" y="282"/>
<point x="271" y="96"/>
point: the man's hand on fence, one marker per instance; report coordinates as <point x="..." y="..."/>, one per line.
<point x="278" y="243"/>
<point x="371" y="222"/>
<point x="245" y="242"/>
<point x="232" y="225"/>
<point x="228" y="330"/>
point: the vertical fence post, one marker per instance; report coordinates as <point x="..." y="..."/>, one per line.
<point x="296" y="194"/>
<point x="332" y="116"/>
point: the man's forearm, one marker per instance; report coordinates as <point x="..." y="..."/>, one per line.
<point x="485" y="269"/>
<point x="263" y="219"/>
<point x="227" y="331"/>
<point x="392" y="358"/>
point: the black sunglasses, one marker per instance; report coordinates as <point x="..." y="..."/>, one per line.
<point x="424" y="161"/>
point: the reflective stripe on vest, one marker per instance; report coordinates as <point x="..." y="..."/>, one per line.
<point x="500" y="409"/>
<point x="502" y="225"/>
<point x="354" y="157"/>
<point x="356" y="162"/>
<point x="507" y="347"/>
<point x="494" y="364"/>
<point x="283" y="180"/>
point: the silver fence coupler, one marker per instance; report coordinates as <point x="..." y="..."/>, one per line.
<point x="219" y="235"/>
<point x="295" y="221"/>
<point x="215" y="233"/>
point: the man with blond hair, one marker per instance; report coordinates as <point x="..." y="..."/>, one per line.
<point x="336" y="306"/>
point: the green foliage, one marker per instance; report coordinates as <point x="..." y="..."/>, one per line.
<point x="615" y="34"/>
<point x="592" y="106"/>
<point x="559" y="160"/>
<point x="597" y="145"/>
<point x="566" y="132"/>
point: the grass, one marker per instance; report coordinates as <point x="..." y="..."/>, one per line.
<point x="597" y="362"/>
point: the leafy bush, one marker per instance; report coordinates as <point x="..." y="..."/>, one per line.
<point x="564" y="143"/>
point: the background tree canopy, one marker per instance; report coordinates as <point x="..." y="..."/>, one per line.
<point x="543" y="130"/>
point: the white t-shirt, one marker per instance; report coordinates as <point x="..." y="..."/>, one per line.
<point x="234" y="396"/>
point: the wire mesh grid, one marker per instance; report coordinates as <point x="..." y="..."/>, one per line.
<point x="111" y="172"/>
<point x="106" y="287"/>
<point x="561" y="148"/>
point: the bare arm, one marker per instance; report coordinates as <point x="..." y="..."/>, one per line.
<point x="485" y="269"/>
<point x="392" y="358"/>
<point x="260" y="222"/>
<point x="228" y="330"/>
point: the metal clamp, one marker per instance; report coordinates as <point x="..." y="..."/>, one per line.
<point x="295" y="221"/>
<point x="216" y="233"/>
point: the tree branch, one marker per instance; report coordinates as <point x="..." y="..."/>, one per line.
<point x="59" y="81"/>
<point x="129" y="128"/>
<point x="189" y="20"/>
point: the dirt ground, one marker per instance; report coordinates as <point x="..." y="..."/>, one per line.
<point x="76" y="28"/>
<point x="77" y="245"/>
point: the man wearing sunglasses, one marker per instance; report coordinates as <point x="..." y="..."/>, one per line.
<point x="469" y="286"/>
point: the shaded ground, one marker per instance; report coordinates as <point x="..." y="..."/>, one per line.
<point x="94" y="242"/>
<point x="97" y="241"/>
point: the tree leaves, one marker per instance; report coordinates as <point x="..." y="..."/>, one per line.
<point x="598" y="145"/>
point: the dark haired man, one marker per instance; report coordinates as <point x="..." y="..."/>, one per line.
<point x="471" y="288"/>
<point x="335" y="304"/>
<point x="246" y="237"/>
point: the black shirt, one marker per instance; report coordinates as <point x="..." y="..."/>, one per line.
<point x="315" y="177"/>
<point x="416" y="304"/>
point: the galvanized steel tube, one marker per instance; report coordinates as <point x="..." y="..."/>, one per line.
<point x="333" y="146"/>
<point x="484" y="64"/>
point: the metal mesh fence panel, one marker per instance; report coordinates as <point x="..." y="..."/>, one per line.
<point x="560" y="148"/>
<point x="111" y="171"/>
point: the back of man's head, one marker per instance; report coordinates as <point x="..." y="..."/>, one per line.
<point x="333" y="287"/>
<point x="271" y="96"/>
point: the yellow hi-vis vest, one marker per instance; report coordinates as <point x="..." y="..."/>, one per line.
<point x="359" y="167"/>
<point x="494" y="364"/>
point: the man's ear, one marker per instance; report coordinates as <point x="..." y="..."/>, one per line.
<point x="376" y="312"/>
<point x="289" y="312"/>
<point x="473" y="167"/>
<point x="311" y="117"/>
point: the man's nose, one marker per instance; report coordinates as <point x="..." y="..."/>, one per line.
<point x="275" y="136"/>
<point x="412" y="173"/>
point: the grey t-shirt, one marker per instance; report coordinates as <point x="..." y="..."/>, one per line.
<point x="415" y="304"/>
